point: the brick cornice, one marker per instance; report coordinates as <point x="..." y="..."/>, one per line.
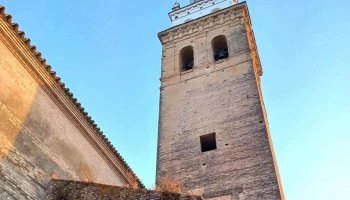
<point x="200" y="25"/>
<point x="31" y="59"/>
<point x="252" y="44"/>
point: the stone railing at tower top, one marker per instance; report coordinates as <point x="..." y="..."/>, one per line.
<point x="202" y="24"/>
<point x="196" y="10"/>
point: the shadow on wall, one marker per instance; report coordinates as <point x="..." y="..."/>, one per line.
<point x="36" y="138"/>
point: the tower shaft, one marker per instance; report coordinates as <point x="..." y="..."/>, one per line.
<point x="213" y="127"/>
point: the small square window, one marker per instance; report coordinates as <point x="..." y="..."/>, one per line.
<point x="208" y="142"/>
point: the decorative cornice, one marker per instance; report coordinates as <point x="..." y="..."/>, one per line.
<point x="195" y="10"/>
<point x="100" y="140"/>
<point x="252" y="44"/>
<point x="201" y="24"/>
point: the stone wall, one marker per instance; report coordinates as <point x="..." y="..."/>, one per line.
<point x="42" y="133"/>
<point x="61" y="189"/>
<point x="215" y="97"/>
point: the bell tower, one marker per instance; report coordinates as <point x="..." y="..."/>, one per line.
<point x="213" y="127"/>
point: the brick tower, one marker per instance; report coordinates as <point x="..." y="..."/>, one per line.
<point x="213" y="128"/>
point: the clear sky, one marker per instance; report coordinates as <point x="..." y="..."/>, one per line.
<point x="107" y="52"/>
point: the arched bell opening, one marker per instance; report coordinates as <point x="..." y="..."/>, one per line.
<point x="220" y="49"/>
<point x="186" y="58"/>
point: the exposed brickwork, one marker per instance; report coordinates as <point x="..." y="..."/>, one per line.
<point x="43" y="133"/>
<point x="17" y="176"/>
<point x="60" y="189"/>
<point x="59" y="90"/>
<point x="215" y="97"/>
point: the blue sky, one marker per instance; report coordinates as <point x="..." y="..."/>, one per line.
<point x="107" y="52"/>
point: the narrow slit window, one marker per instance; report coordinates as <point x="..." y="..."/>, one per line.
<point x="208" y="142"/>
<point x="186" y="58"/>
<point x="220" y="49"/>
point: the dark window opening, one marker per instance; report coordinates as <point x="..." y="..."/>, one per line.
<point x="219" y="45"/>
<point x="186" y="58"/>
<point x="208" y="142"/>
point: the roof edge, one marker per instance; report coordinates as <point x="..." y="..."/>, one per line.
<point x="38" y="56"/>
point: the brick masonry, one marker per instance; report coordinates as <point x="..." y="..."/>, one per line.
<point x="17" y="176"/>
<point x="61" y="189"/>
<point x="41" y="136"/>
<point x="216" y="97"/>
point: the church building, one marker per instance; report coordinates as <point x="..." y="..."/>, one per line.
<point x="213" y="131"/>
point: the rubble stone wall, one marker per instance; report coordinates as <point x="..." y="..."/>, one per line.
<point x="61" y="189"/>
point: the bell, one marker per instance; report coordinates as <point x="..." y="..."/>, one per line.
<point x="188" y="65"/>
<point x="221" y="53"/>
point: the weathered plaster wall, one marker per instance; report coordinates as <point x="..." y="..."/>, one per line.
<point x="61" y="189"/>
<point x="38" y="139"/>
<point x="215" y="97"/>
